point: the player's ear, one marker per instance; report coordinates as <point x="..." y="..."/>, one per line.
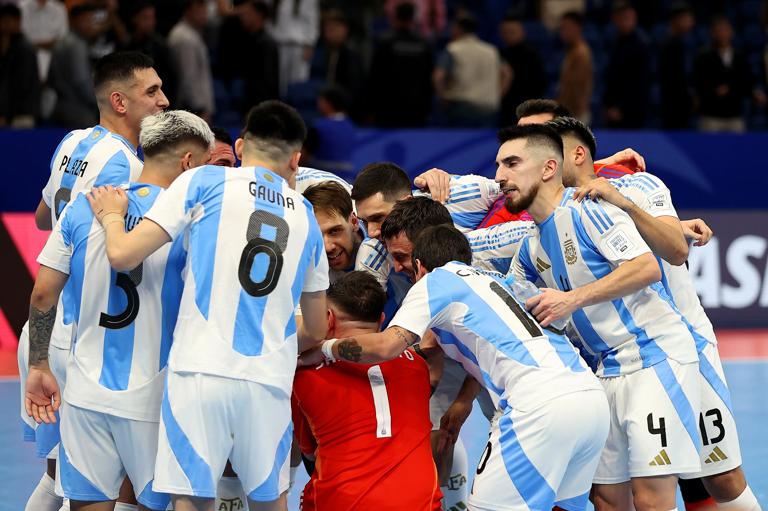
<point x="579" y="155"/>
<point x="550" y="169"/>
<point x="354" y="221"/>
<point x="331" y="323"/>
<point x="117" y="101"/>
<point x="419" y="270"/>
<point x="294" y="163"/>
<point x="239" y="143"/>
<point x="186" y="161"/>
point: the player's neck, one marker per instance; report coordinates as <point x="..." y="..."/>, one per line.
<point x="118" y="126"/>
<point x="280" y="170"/>
<point x="353" y="328"/>
<point x="547" y="199"/>
<point x="157" y="174"/>
<point x="585" y="173"/>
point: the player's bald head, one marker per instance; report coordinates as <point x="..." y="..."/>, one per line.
<point x="117" y="71"/>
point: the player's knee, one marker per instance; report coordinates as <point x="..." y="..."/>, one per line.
<point x="648" y="499"/>
<point x="726" y="486"/>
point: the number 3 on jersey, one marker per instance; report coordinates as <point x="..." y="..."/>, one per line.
<point x="260" y="223"/>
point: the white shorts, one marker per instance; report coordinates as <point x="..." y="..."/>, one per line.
<point x="208" y="419"/>
<point x="97" y="452"/>
<point x="45" y="436"/>
<point x="720" y="450"/>
<point x="653" y="423"/>
<point x="543" y="458"/>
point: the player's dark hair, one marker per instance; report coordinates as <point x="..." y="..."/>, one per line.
<point x="329" y="197"/>
<point x="574" y="16"/>
<point x="119" y="67"/>
<point x="384" y="177"/>
<point x="405" y="12"/>
<point x="541" y="106"/>
<point x="438" y="245"/>
<point x="537" y="135"/>
<point x="570" y="126"/>
<point x="222" y="135"/>
<point x="274" y="129"/>
<point x="411" y="216"/>
<point x="359" y="295"/>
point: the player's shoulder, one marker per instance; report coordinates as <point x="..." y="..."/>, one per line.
<point x="371" y="254"/>
<point x="308" y="176"/>
<point x="597" y="213"/>
<point x="643" y="181"/>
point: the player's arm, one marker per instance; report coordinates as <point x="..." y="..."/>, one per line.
<point x="457" y="414"/>
<point x="314" y="321"/>
<point x="370" y="348"/>
<point x="42" y="396"/>
<point x="628" y="157"/>
<point x="43" y="216"/>
<point x="125" y="250"/>
<point x="697" y="230"/>
<point x="664" y="234"/>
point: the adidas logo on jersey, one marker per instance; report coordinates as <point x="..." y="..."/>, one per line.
<point x="661" y="459"/>
<point x="716" y="455"/>
<point x="541" y="266"/>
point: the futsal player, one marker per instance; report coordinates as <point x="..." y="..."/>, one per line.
<point x="254" y="252"/>
<point x="127" y="90"/>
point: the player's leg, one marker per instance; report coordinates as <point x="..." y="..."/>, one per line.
<point x="662" y="405"/>
<point x="195" y="438"/>
<point x="126" y="501"/>
<point x="695" y="496"/>
<point x="90" y="470"/>
<point x="262" y="436"/>
<point x="455" y="487"/>
<point x="612" y="497"/>
<point x="230" y="493"/>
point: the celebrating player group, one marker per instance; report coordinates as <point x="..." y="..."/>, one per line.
<point x="199" y="331"/>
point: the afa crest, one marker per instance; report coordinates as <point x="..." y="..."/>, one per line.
<point x="569" y="250"/>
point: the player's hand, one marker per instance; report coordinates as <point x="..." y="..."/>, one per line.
<point x="42" y="397"/>
<point x="696" y="229"/>
<point x="628" y="157"/>
<point x="107" y="199"/>
<point x="312" y="358"/>
<point x="454" y="418"/>
<point x="435" y="181"/>
<point x="601" y="188"/>
<point x="551" y="305"/>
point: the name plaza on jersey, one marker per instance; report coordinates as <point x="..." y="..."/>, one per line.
<point x="73" y="167"/>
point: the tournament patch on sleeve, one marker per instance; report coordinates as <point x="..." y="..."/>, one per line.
<point x="619" y="243"/>
<point x="658" y="200"/>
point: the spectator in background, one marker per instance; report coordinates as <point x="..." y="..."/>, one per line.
<point x="400" y="82"/>
<point x="43" y="22"/>
<point x="628" y="73"/>
<point x="331" y="138"/>
<point x="469" y="78"/>
<point x="70" y="72"/>
<point x="576" y="72"/>
<point x="723" y="82"/>
<point x="261" y="69"/>
<point x="295" y="28"/>
<point x="429" y="16"/>
<point x="527" y="68"/>
<point x="19" y="83"/>
<point x="111" y="32"/>
<point x="336" y="63"/>
<point x="144" y="38"/>
<point x="675" y="69"/>
<point x="195" y="88"/>
<point x="222" y="155"/>
<point x="552" y="11"/>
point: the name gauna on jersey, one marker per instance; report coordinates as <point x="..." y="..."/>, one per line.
<point x="74" y="167"/>
<point x="270" y="195"/>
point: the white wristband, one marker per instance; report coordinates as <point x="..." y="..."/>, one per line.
<point x="327" y="350"/>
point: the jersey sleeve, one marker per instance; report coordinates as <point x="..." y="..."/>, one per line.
<point x="57" y="252"/>
<point x="372" y="257"/>
<point x="612" y="231"/>
<point x="414" y="314"/>
<point x="174" y="207"/>
<point x="470" y="199"/>
<point x="522" y="267"/>
<point x="316" y="275"/>
<point x="47" y="193"/>
<point x="494" y="247"/>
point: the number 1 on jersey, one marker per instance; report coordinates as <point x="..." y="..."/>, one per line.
<point x="380" y="402"/>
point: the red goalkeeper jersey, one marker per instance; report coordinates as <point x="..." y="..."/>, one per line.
<point x="368" y="426"/>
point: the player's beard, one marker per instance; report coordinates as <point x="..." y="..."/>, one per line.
<point x="522" y="202"/>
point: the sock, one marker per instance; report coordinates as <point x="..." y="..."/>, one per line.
<point x="44" y="497"/>
<point x="455" y="493"/>
<point x="230" y="495"/>
<point x="744" y="502"/>
<point x="65" y="506"/>
<point x="122" y="506"/>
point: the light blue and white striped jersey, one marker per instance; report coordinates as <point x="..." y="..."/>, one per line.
<point x="469" y="200"/>
<point x="253" y="247"/>
<point x="480" y="325"/>
<point x="650" y="194"/>
<point x="307" y="176"/>
<point x="84" y="159"/>
<point x="582" y="242"/>
<point x="494" y="247"/>
<point x="124" y="321"/>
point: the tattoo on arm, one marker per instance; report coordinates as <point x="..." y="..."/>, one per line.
<point x="40" y="328"/>
<point x="404" y="335"/>
<point x="349" y="349"/>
